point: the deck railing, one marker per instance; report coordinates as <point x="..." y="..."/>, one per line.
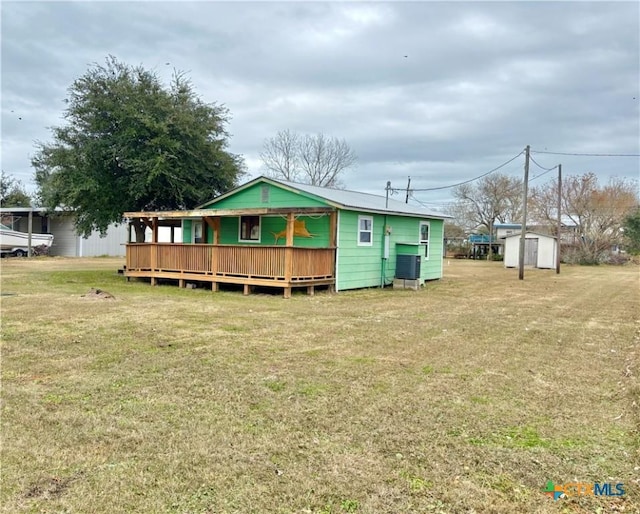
<point x="278" y="263"/>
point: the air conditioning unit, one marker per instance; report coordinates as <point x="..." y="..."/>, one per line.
<point x="408" y="267"/>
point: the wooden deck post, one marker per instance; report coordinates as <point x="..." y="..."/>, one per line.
<point x="288" y="255"/>
<point x="333" y="229"/>
<point x="214" y="223"/>
<point x="154" y="230"/>
<point x="333" y="242"/>
<point x="153" y="260"/>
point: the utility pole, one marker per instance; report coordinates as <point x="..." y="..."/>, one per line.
<point x="406" y="200"/>
<point x="524" y="213"/>
<point x="559" y="218"/>
<point x="387" y="189"/>
<point x="490" y="253"/>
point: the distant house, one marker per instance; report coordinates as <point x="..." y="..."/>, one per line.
<point x="506" y="229"/>
<point x="568" y="229"/>
<point x="539" y="250"/>
<point x="66" y="241"/>
<point x="282" y="234"/>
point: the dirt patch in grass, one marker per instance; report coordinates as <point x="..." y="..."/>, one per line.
<point x="50" y="487"/>
<point x="466" y="396"/>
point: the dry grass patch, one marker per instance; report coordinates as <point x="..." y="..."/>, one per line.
<point x="466" y="396"/>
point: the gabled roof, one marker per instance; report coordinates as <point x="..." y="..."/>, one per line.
<point x="341" y="198"/>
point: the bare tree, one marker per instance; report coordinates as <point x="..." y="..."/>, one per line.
<point x="280" y="154"/>
<point x="597" y="211"/>
<point x="313" y="159"/>
<point x="493" y="198"/>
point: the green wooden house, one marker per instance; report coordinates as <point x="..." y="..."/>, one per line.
<point x="270" y="232"/>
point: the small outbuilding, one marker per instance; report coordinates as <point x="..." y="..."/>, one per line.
<point x="539" y="250"/>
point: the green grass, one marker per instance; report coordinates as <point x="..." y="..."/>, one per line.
<point x="466" y="396"/>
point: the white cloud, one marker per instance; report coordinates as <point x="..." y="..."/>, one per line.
<point x="439" y="91"/>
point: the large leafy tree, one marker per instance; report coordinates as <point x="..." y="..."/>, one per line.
<point x="131" y="144"/>
<point x="12" y="192"/>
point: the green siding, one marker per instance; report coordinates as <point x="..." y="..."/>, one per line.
<point x="186" y="231"/>
<point x="358" y="266"/>
<point x="362" y="266"/>
<point x="317" y="226"/>
<point x="252" y="197"/>
<point x="431" y="268"/>
<point x="187" y="226"/>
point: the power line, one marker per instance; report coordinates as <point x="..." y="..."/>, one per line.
<point x="464" y="182"/>
<point x="589" y="154"/>
<point x="545" y="170"/>
<point x="540" y="166"/>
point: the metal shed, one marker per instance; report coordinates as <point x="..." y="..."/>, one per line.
<point x="66" y="241"/>
<point x="539" y="250"/>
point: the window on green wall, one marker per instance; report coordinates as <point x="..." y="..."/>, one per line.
<point x="249" y="228"/>
<point x="424" y="237"/>
<point x="196" y="232"/>
<point x="365" y="230"/>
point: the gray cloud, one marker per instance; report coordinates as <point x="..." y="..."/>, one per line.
<point x="439" y="91"/>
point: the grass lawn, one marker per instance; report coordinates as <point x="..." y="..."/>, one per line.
<point x="467" y="396"/>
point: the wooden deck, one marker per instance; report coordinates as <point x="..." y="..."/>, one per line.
<point x="273" y="266"/>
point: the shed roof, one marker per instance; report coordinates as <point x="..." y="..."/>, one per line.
<point x="529" y="232"/>
<point x="342" y="198"/>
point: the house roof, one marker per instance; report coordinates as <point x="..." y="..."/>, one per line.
<point x="507" y="225"/>
<point x="342" y="198"/>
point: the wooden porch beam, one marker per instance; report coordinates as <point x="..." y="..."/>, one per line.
<point x="288" y="253"/>
<point x="154" y="230"/>
<point x="216" y="230"/>
<point x="210" y="221"/>
<point x="255" y="211"/>
<point x="146" y="221"/>
<point x="290" y="229"/>
<point x="333" y="229"/>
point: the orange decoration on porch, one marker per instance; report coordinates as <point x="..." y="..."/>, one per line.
<point x="299" y="229"/>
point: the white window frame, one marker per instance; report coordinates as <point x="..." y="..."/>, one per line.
<point x="361" y="231"/>
<point x="194" y="223"/>
<point x="428" y="240"/>
<point x="240" y="239"/>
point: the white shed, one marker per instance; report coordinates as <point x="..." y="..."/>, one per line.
<point x="539" y="250"/>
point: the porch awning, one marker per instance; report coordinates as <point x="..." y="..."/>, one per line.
<point x="208" y="213"/>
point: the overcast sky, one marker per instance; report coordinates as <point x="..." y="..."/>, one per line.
<point x="442" y="92"/>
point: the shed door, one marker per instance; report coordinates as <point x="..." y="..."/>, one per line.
<point x="530" y="252"/>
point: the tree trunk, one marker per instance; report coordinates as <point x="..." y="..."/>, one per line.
<point x="140" y="229"/>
